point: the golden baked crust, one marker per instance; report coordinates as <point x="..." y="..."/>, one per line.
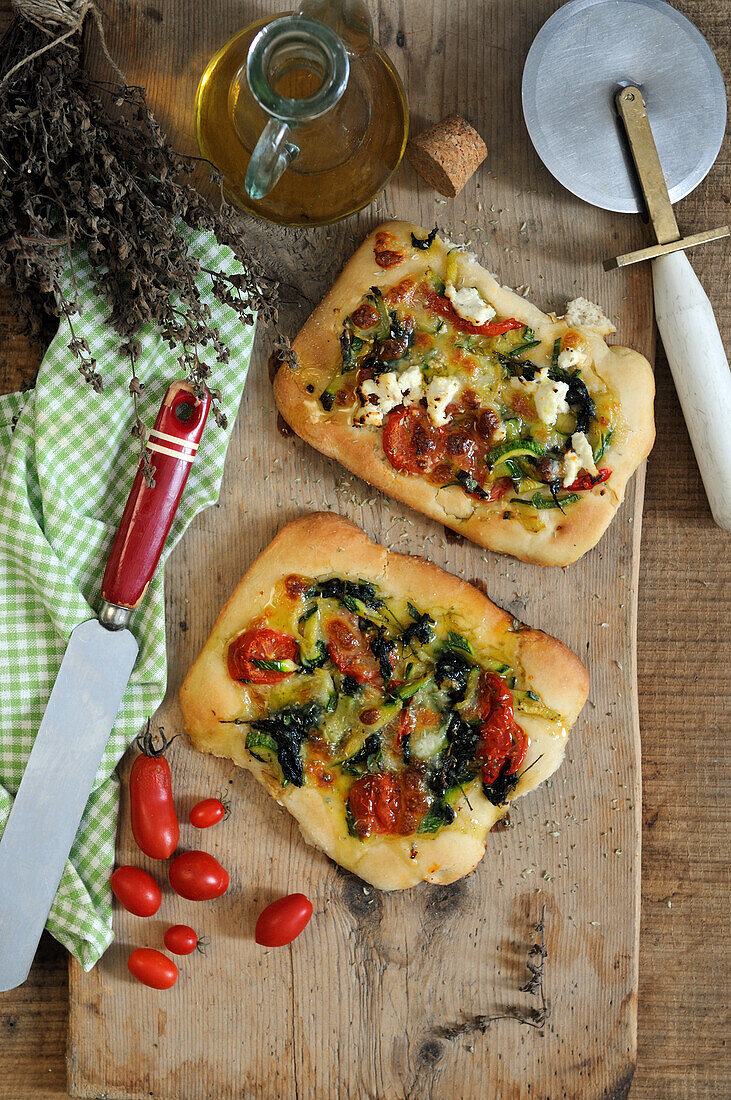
<point x="323" y="544"/>
<point x="562" y="538"/>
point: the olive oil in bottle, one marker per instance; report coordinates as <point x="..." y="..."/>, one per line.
<point x="305" y="118"/>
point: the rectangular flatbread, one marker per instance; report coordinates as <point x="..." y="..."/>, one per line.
<point x="431" y="381"/>
<point x="389" y="706"/>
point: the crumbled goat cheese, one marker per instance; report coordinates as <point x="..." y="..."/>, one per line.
<point x="571" y="468"/>
<point x="570" y="357"/>
<point x="439" y="393"/>
<point x="549" y="398"/>
<point x="583" y="450"/>
<point x="411" y="385"/>
<point x="469" y="304"/>
<point x="527" y="385"/>
<point x="386" y="394"/>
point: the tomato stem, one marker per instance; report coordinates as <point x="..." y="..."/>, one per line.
<point x="224" y="798"/>
<point x="145" y="741"/>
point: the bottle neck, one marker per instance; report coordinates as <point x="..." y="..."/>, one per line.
<point x="297" y="69"/>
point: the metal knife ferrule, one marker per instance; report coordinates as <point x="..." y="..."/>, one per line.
<point x="114" y="617"/>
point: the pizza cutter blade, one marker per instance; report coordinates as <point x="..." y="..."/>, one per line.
<point x="625" y="105"/>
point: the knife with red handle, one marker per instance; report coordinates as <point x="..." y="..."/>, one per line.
<point x="150" y="511"/>
<point x="86" y="696"/>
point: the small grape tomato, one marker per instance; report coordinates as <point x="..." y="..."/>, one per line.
<point x="136" y="891"/>
<point x="152" y="968"/>
<point x="283" y="920"/>
<point x="198" y="876"/>
<point x="208" y="812"/>
<point x="181" y="939"/>
<point x="154" y="820"/>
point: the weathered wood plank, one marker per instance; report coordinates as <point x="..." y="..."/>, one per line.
<point x="406" y="965"/>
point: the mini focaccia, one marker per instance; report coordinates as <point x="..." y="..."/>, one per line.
<point x="451" y="393"/>
<point x="389" y="706"/>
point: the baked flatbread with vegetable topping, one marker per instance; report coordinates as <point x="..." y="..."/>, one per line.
<point x="389" y="706"/>
<point x="451" y="393"/>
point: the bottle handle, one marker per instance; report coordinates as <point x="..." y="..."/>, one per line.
<point x="272" y="156"/>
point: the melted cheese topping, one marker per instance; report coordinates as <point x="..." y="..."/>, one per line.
<point x="489" y="390"/>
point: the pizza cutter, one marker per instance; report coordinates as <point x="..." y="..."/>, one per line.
<point x="625" y="105"/>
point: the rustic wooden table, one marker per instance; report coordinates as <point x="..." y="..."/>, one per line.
<point x="683" y="658"/>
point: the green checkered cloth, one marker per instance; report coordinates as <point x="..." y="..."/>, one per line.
<point x="67" y="464"/>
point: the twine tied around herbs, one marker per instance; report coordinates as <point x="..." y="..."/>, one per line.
<point x="50" y="16"/>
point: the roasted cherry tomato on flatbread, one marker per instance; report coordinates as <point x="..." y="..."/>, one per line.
<point x="406" y="725"/>
<point x="152" y="968"/>
<point x="375" y="803"/>
<point x="262" y="656"/>
<point x="208" y="812"/>
<point x="412" y="443"/>
<point x="181" y="939"/>
<point x="154" y="820"/>
<point x="519" y="750"/>
<point x="588" y="481"/>
<point x="349" y="651"/>
<point x="503" y="744"/>
<point x="136" y="891"/>
<point x="283" y="920"/>
<point x="492" y="692"/>
<point x="498" y="489"/>
<point x="198" y="876"/>
<point x="444" y="308"/>
<point x="384" y="803"/>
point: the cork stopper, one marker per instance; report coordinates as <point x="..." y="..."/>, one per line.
<point x="446" y="155"/>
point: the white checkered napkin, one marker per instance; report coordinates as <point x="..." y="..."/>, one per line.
<point x="67" y="464"/>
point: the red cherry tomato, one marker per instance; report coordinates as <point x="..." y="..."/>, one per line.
<point x="198" y="876"/>
<point x="349" y="651"/>
<point x="255" y="648"/>
<point x="443" y="307"/>
<point x="181" y="939"/>
<point x="283" y="920"/>
<point x="208" y="812"/>
<point x="152" y="968"/>
<point x="154" y="821"/>
<point x="411" y="442"/>
<point x="136" y="891"/>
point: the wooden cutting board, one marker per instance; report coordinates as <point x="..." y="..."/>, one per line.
<point x="362" y="1005"/>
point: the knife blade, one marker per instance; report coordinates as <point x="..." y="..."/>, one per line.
<point x="86" y="696"/>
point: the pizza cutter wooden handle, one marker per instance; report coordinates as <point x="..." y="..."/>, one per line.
<point x="700" y="371"/>
<point x="150" y="510"/>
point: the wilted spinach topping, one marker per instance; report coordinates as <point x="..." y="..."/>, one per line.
<point x="451" y="672"/>
<point x="288" y="728"/>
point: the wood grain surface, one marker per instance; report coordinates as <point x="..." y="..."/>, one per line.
<point x="683" y="673"/>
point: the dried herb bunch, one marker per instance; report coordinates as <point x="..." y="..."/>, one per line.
<point x="537" y="1016"/>
<point x="84" y="163"/>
